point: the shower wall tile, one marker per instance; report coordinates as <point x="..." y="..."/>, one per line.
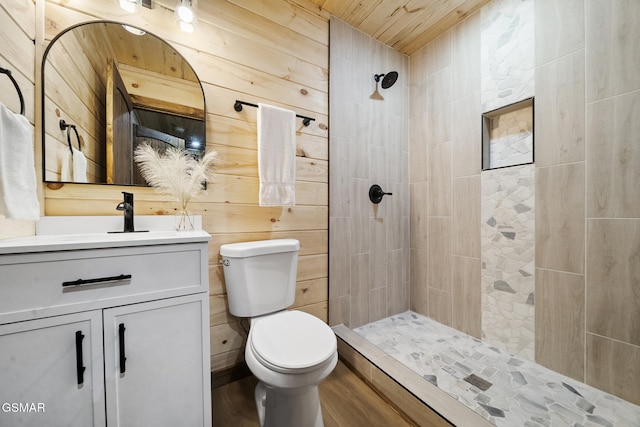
<point x="396" y="295"/>
<point x="439" y="265"/>
<point x="465" y="57"/>
<point x="360" y="142"/>
<point x="559" y="29"/>
<point x="439" y="179"/>
<point x="440" y="306"/>
<point x="404" y="184"/>
<point x="406" y="255"/>
<point x="360" y="277"/>
<point x="467" y="136"/>
<point x="418" y="86"/>
<point x="613" y="164"/>
<point x="341" y="128"/>
<point x="613" y="278"/>
<point x="614" y="367"/>
<point x="360" y="216"/>
<point x="560" y="204"/>
<point x="394" y="221"/>
<point x="378" y="251"/>
<point x="339" y="256"/>
<point x="560" y="322"/>
<point x="419" y="225"/>
<point x="393" y="148"/>
<point x="507" y="54"/>
<point x="439" y="106"/>
<point x="340" y="30"/>
<point x="560" y="107"/>
<point x="362" y="58"/>
<point x="340" y="311"/>
<point x="378" y="158"/>
<point x="377" y="304"/>
<point x="339" y="181"/>
<point x="466" y="296"/>
<point x="419" y="297"/>
<point x="438" y="53"/>
<point x="466" y="216"/>
<point x="418" y="148"/>
<point x="613" y="57"/>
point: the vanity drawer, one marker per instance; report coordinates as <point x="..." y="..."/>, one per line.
<point x="99" y="278"/>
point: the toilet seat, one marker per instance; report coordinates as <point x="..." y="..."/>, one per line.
<point x="292" y="341"/>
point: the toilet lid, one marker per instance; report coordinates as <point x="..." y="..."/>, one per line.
<point x="292" y="340"/>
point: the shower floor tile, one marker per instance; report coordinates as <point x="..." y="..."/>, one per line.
<point x="504" y="389"/>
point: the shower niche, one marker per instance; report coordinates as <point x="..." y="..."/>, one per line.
<point x="507" y="135"/>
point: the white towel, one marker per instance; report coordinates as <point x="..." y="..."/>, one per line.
<point x="79" y="166"/>
<point x="276" y="155"/>
<point x="18" y="196"/>
<point x="66" y="165"/>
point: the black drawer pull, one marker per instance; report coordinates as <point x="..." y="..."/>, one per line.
<point x="79" y="363"/>
<point x="123" y="359"/>
<point x="80" y="282"/>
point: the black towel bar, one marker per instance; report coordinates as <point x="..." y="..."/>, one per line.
<point x="15" y="83"/>
<point x="238" y="107"/>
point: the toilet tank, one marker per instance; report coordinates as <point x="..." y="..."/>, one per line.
<point x="260" y="276"/>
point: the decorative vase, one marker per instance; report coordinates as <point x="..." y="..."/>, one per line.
<point x="184" y="221"/>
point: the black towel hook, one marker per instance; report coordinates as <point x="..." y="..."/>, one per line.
<point x="15" y="84"/>
<point x="64" y="125"/>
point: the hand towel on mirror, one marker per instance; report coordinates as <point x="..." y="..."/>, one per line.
<point x="66" y="165"/>
<point x="79" y="166"/>
<point x="18" y="196"/>
<point x="276" y="155"/>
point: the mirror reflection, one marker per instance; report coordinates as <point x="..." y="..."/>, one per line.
<point x="108" y="87"/>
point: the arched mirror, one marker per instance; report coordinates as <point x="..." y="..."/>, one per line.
<point x="108" y="87"/>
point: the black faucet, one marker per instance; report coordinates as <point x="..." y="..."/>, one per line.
<point x="127" y="207"/>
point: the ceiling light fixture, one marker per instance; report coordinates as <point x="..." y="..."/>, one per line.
<point x="130" y="6"/>
<point x="186" y="15"/>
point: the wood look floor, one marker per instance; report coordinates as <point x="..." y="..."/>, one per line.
<point x="347" y="401"/>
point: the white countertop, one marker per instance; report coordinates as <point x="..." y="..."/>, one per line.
<point x="93" y="232"/>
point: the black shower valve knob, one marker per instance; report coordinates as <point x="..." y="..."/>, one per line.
<point x="376" y="193"/>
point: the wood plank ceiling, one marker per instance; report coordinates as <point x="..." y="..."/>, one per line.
<point x="405" y="25"/>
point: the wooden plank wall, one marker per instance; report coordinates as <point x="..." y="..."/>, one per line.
<point x="17" y="53"/>
<point x="271" y="51"/>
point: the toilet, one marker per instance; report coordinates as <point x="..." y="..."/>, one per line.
<point x="289" y="351"/>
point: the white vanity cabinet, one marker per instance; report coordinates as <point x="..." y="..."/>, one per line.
<point x="55" y="366"/>
<point x="112" y="332"/>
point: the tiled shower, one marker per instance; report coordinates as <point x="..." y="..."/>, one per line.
<point x="550" y="270"/>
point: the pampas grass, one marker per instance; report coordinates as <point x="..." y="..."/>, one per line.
<point x="175" y="173"/>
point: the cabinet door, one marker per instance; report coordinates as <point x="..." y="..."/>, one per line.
<point x="51" y="372"/>
<point x="156" y="363"/>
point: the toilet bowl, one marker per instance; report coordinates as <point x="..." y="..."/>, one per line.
<point x="289" y="351"/>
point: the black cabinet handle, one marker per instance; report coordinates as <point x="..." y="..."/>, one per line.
<point x="79" y="364"/>
<point x="80" y="282"/>
<point x="123" y="359"/>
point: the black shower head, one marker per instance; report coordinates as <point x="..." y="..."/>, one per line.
<point x="387" y="79"/>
